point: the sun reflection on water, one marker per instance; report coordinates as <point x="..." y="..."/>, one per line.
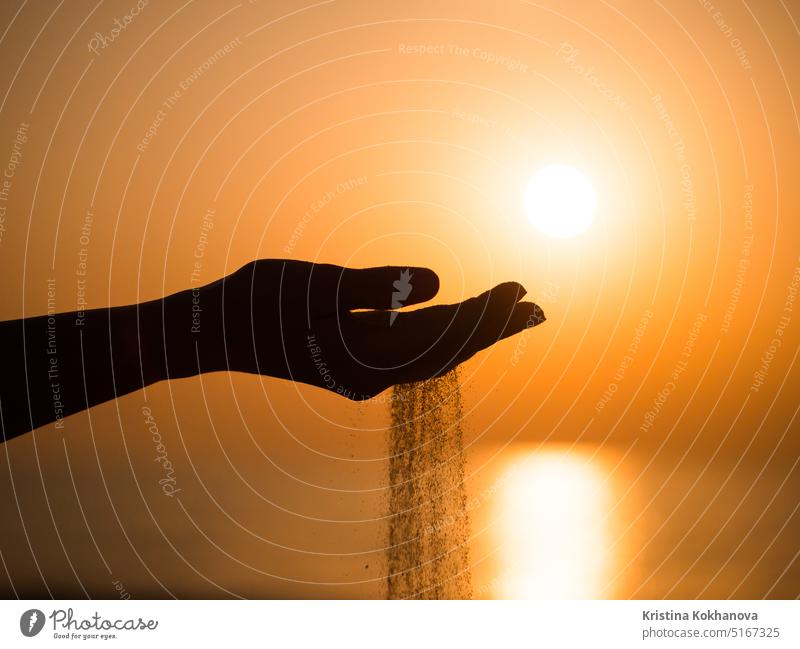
<point x="556" y="541"/>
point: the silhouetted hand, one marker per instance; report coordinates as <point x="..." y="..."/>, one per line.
<point x="332" y="327"/>
<point x="306" y="322"/>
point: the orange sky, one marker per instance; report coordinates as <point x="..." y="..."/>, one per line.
<point x="363" y="133"/>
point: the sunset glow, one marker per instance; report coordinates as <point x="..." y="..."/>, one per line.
<point x="560" y="202"/>
<point x="554" y="527"/>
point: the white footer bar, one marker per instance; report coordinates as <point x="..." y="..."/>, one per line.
<point x="377" y="624"/>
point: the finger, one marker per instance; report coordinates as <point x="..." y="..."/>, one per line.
<point x="481" y="322"/>
<point x="525" y="315"/>
<point x="447" y="325"/>
<point x="332" y="289"/>
<point x="386" y="287"/>
<point x="492" y="314"/>
<point x="327" y="288"/>
<point x="440" y="336"/>
<point x="492" y="329"/>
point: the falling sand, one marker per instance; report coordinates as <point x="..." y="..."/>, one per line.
<point x="427" y="551"/>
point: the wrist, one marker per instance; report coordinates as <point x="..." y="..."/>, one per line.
<point x="180" y="335"/>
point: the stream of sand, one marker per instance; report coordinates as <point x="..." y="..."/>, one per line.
<point x="427" y="552"/>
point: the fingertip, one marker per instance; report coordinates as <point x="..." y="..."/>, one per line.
<point x="526" y="315"/>
<point x="425" y="282"/>
<point x="505" y="295"/>
<point x="536" y="315"/>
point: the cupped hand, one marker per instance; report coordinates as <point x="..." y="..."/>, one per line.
<point x="341" y="328"/>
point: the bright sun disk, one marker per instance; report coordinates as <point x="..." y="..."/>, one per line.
<point x="560" y="201"/>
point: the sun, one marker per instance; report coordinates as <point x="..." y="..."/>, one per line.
<point x="560" y="201"/>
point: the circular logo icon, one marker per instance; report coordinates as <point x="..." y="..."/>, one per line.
<point x="31" y="622"/>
